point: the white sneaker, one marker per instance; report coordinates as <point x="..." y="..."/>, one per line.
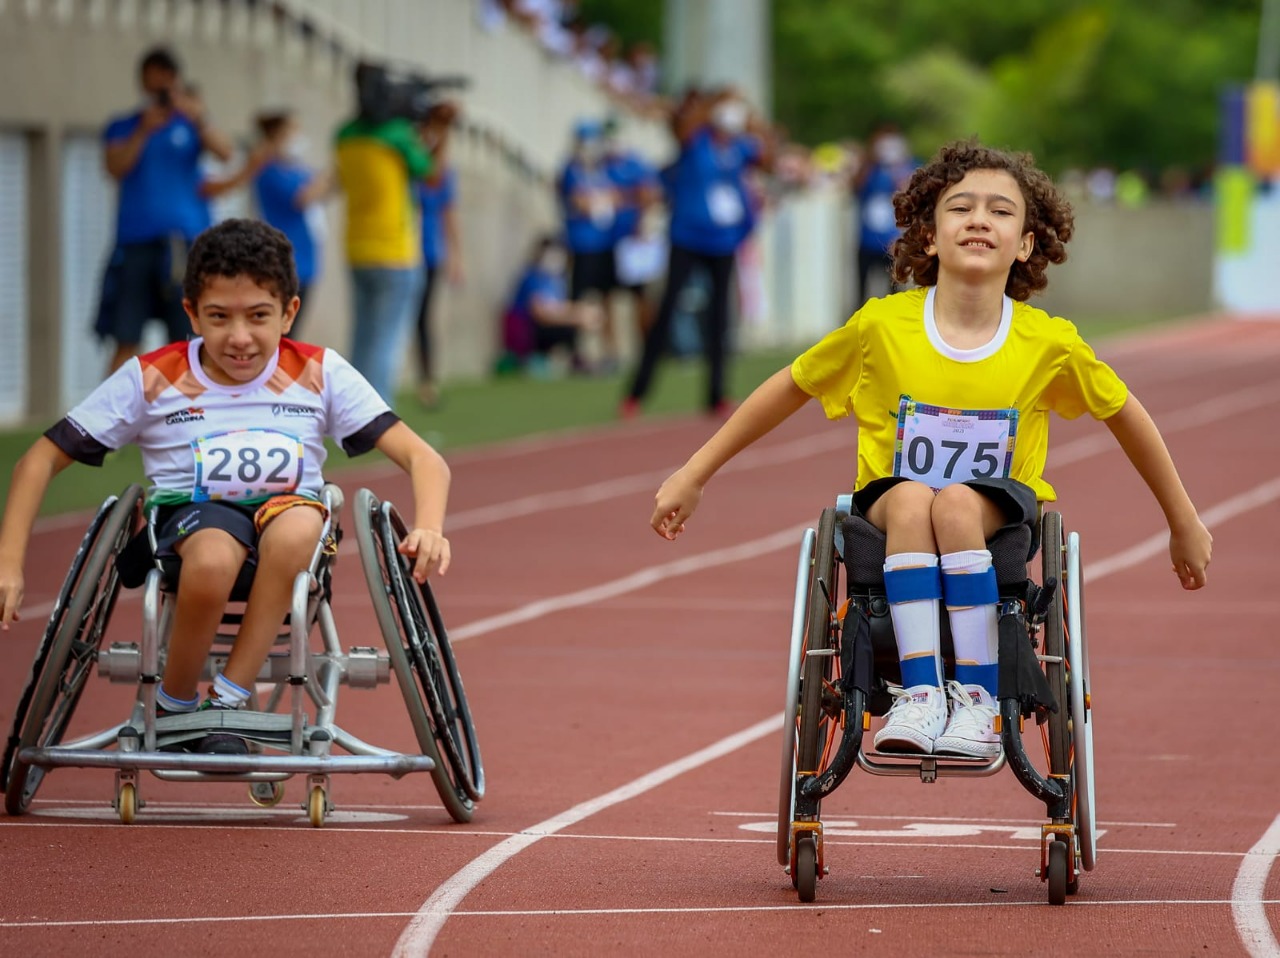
<point x="971" y="729"/>
<point x="918" y="716"/>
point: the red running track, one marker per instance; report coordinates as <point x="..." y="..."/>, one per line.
<point x="628" y="692"/>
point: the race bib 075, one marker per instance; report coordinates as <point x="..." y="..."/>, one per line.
<point x="939" y="446"/>
<point x="246" y="464"/>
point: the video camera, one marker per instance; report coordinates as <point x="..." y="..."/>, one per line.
<point x="384" y="92"/>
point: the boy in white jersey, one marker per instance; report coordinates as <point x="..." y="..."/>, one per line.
<point x="951" y="385"/>
<point x="231" y="427"/>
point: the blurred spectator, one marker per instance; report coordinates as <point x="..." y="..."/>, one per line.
<point x="885" y="171"/>
<point x="154" y="154"/>
<point x="639" y="248"/>
<point x="379" y="159"/>
<point x="540" y="322"/>
<point x="289" y="193"/>
<point x="441" y="247"/>
<point x="589" y="201"/>
<point x="711" y="215"/>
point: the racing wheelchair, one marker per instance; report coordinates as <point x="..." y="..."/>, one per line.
<point x="843" y="656"/>
<point x="291" y="730"/>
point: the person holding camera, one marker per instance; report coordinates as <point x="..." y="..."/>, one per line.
<point x="380" y="157"/>
<point x="153" y="152"/>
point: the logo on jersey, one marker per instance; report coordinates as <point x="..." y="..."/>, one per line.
<point x="288" y="411"/>
<point x="190" y="414"/>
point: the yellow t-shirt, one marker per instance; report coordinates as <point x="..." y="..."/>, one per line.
<point x="1036" y="363"/>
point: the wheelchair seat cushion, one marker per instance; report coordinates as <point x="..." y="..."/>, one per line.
<point x="864" y="551"/>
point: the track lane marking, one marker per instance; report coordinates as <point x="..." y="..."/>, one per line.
<point x="420" y="935"/>
<point x="574" y="912"/>
<point x="1247" y="904"/>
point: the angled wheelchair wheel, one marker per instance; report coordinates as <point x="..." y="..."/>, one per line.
<point x="808" y="726"/>
<point x="1081" y="708"/>
<point x="421" y="657"/>
<point x="69" y="647"/>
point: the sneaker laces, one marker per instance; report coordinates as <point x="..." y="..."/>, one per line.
<point x="965" y="711"/>
<point x="906" y="708"/>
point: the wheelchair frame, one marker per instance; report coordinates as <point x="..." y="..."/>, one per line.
<point x="418" y="652"/>
<point x="827" y="697"/>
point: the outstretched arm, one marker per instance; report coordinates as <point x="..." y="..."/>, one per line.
<point x="31" y="477"/>
<point x="1190" y="543"/>
<point x="777" y="398"/>
<point x="430" y="477"/>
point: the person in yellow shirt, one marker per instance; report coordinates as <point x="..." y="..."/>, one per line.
<point x="951" y="384"/>
<point x="379" y="160"/>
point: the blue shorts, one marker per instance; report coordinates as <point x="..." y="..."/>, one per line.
<point x="140" y="285"/>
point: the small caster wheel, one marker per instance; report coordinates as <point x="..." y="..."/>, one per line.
<point x="127" y="803"/>
<point x="266" y="794"/>
<point x="805" y="873"/>
<point x="1058" y="853"/>
<point x="317" y="806"/>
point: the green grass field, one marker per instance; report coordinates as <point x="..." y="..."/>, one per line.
<point x="475" y="413"/>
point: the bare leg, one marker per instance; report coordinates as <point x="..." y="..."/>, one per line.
<point x="964" y="518"/>
<point x="284" y="550"/>
<point x="211" y="560"/>
<point x="905" y="515"/>
<point x="122" y="355"/>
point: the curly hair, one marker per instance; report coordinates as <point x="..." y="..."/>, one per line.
<point x="238" y="247"/>
<point x="1049" y="216"/>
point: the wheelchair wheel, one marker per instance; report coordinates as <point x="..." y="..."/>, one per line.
<point x="421" y="657"/>
<point x="1081" y="708"/>
<point x="808" y="727"/>
<point x="1053" y="562"/>
<point x="70" y="644"/>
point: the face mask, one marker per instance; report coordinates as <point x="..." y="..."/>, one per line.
<point x="730" y="116"/>
<point x="891" y="150"/>
<point x="296" y="147"/>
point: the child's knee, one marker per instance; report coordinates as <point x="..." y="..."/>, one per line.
<point x="290" y="539"/>
<point x="908" y="502"/>
<point x="211" y="560"/>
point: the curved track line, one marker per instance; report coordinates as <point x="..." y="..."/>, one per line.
<point x="421" y="933"/>
<point x="418" y="937"/>
<point x="1247" y="901"/>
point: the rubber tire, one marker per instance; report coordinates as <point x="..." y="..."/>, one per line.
<point x="317" y="806"/>
<point x="1058" y="868"/>
<point x="127" y="803"/>
<point x="66" y="655"/>
<point x="804" y="874"/>
<point x="817" y="669"/>
<point x="459" y="773"/>
<point x="1052" y="546"/>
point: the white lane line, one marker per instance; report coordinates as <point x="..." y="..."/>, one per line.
<point x="948" y="818"/>
<point x="422" y="930"/>
<point x="421" y="933"/>
<point x="1215" y="515"/>
<point x="640" y="579"/>
<point x="1247" y="903"/>
<point x="1179" y="420"/>
<point x="800" y="909"/>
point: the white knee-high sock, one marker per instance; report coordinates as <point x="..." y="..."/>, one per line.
<point x="913" y="587"/>
<point x="969" y="588"/>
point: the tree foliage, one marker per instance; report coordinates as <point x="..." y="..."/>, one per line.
<point x="1127" y="83"/>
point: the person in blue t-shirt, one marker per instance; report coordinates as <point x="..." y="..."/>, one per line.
<point x="639" y="249"/>
<point x="711" y="214"/>
<point x="290" y="194"/>
<point x="441" y="245"/>
<point x="540" y="320"/>
<point x="886" y="171"/>
<point x="153" y="152"/>
<point x="589" y="201"/>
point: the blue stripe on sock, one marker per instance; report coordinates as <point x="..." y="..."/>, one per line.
<point x="231" y="685"/>
<point x="909" y="585"/>
<point x="173" y="704"/>
<point x="920" y="670"/>
<point x="970" y="588"/>
<point x="988" y="676"/>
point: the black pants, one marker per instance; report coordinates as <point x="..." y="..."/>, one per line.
<point x="425" y="353"/>
<point x="304" y="290"/>
<point x="715" y="323"/>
